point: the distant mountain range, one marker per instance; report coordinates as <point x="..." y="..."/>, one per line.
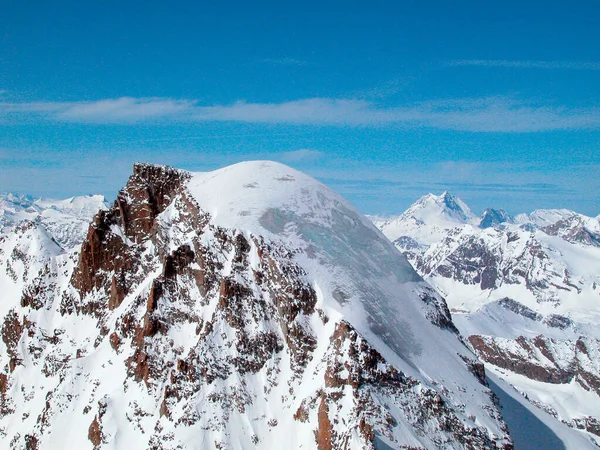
<point x="66" y="221"/>
<point x="524" y="290"/>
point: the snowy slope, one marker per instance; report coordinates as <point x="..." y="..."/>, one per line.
<point x="509" y="319"/>
<point x="531" y="427"/>
<point x="24" y="253"/>
<point x="544" y="217"/>
<point x="249" y="307"/>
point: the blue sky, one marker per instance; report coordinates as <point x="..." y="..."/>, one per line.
<point x="383" y="101"/>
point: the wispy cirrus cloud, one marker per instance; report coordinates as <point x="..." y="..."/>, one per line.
<point x="527" y="64"/>
<point x="302" y="155"/>
<point x="489" y="114"/>
<point x="124" y="109"/>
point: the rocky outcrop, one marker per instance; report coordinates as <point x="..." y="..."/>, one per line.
<point x="543" y="359"/>
<point x="12" y="329"/>
<point x="494" y="217"/>
<point x="110" y="261"/>
<point x="147" y="193"/>
<point x="95" y="434"/>
<point x="573" y="229"/>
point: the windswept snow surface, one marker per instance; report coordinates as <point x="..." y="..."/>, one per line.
<point x="357" y="273"/>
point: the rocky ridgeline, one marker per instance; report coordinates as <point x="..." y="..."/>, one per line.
<point x="170" y="332"/>
<point x="493" y="258"/>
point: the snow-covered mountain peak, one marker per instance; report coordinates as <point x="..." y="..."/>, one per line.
<point x="453" y="203"/>
<point x="337" y="246"/>
<point x="428" y="219"/>
<point x="244" y="194"/>
<point x="494" y="217"/>
<point x="445" y="205"/>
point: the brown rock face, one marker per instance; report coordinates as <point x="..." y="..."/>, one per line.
<point x="362" y="366"/>
<point x="12" y="329"/>
<point x="115" y="340"/>
<point x="3" y="384"/>
<point x="31" y="442"/>
<point x="95" y="432"/>
<point x="496" y="353"/>
<point x="117" y="290"/>
<point x="148" y="192"/>
<point x="325" y="430"/>
<point x="4" y="399"/>
<point x="177" y="261"/>
<point x="102" y="253"/>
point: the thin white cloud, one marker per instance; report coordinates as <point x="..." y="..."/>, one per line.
<point x="528" y="64"/>
<point x="490" y="114"/>
<point x="304" y="154"/>
<point x="125" y="109"/>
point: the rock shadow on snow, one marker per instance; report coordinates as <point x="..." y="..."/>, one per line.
<point x="527" y="431"/>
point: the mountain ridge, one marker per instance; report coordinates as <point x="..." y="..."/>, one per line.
<point x="194" y="316"/>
